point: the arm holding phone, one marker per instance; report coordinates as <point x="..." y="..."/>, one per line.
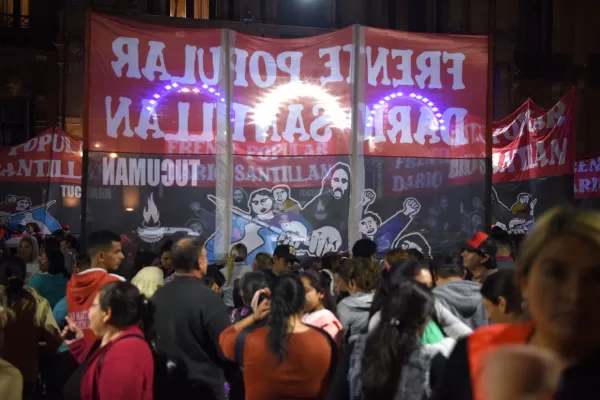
<point x="261" y="306"/>
<point x="73" y="338"/>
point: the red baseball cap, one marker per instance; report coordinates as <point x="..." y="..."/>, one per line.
<point x="482" y="243"/>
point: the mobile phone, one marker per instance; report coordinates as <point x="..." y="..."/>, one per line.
<point x="70" y="335"/>
<point x="262" y="297"/>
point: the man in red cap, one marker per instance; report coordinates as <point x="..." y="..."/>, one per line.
<point x="479" y="256"/>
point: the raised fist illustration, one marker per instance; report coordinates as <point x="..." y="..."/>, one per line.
<point x="324" y="240"/>
<point x="368" y="197"/>
<point x="294" y="234"/>
<point x="518" y="226"/>
<point x="532" y="205"/>
<point x="411" y="207"/>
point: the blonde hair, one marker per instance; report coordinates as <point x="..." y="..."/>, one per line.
<point x="263" y="261"/>
<point x="560" y="221"/>
<point x="238" y="252"/>
<point x="148" y="280"/>
<point x="35" y="248"/>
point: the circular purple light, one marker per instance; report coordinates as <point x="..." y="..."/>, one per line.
<point x="182" y="89"/>
<point x="436" y="115"/>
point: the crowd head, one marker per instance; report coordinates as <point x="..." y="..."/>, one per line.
<point x="119" y="305"/>
<point x="559" y="278"/>
<point x="189" y="257"/>
<point x="105" y="250"/>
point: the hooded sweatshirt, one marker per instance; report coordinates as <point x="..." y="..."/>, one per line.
<point x="353" y="313"/>
<point x="415" y="378"/>
<point x="463" y="299"/>
<point x="81" y="291"/>
<point x="240" y="269"/>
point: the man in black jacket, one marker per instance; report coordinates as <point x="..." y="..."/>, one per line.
<point x="189" y="319"/>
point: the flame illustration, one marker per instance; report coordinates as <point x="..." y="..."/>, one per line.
<point x="151" y="214"/>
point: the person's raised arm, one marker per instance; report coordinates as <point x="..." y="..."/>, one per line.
<point x="229" y="336"/>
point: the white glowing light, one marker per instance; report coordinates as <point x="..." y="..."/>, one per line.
<point x="267" y="110"/>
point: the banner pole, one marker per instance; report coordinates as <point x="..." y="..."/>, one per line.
<point x="490" y="115"/>
<point x="357" y="164"/>
<point x="224" y="156"/>
<point x="85" y="144"/>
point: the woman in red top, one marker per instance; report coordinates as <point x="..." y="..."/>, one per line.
<point x="285" y="358"/>
<point x="119" y="365"/>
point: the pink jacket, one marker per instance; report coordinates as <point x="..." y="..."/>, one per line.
<point x="327" y="321"/>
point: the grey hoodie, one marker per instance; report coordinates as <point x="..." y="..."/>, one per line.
<point x="353" y="313"/>
<point x="463" y="299"/>
<point x="240" y="269"/>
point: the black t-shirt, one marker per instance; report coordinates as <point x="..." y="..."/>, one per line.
<point x="188" y="321"/>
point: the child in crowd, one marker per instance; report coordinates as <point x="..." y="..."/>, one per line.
<point x="320" y="304"/>
<point x="250" y="283"/>
<point x="215" y="280"/>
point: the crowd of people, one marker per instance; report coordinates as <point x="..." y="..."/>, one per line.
<point x="497" y="323"/>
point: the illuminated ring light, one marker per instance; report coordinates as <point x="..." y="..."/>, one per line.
<point x="266" y="112"/>
<point x="438" y="123"/>
<point x="175" y="87"/>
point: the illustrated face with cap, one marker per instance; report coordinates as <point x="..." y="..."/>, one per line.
<point x="524" y="199"/>
<point x="339" y="183"/>
<point x="280" y="194"/>
<point x="23" y="204"/>
<point x="261" y="204"/>
<point x="368" y="225"/>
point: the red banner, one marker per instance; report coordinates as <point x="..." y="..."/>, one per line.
<point x="157" y="90"/>
<point x="587" y="176"/>
<point x="426" y="94"/>
<point x="52" y="156"/>
<point x="534" y="143"/>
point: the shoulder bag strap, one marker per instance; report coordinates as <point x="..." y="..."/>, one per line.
<point x="240" y="341"/>
<point x="101" y="361"/>
<point x="334" y="350"/>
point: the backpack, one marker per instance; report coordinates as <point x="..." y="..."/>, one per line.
<point x="170" y="374"/>
<point x="240" y="342"/>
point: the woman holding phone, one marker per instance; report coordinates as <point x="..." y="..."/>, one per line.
<point x="280" y="344"/>
<point x="119" y="365"/>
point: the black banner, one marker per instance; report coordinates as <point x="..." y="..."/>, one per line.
<point x="48" y="205"/>
<point x="516" y="205"/>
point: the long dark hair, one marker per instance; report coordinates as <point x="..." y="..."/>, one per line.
<point x="399" y="271"/>
<point x="503" y="284"/>
<point x="12" y="277"/>
<point x="404" y="314"/>
<point x="288" y="298"/>
<point x="128" y="306"/>
<point x="251" y="283"/>
<point x="321" y="282"/>
<point x="56" y="263"/>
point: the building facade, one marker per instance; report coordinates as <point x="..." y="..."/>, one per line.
<point x="543" y="47"/>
